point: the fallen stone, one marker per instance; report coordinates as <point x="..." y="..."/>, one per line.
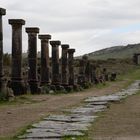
<point x="109" y="98"/>
<point x="41" y="135"/>
<point x="88" y="110"/>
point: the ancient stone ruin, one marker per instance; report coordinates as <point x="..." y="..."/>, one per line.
<point x="136" y="58"/>
<point x="57" y="73"/>
<point x="16" y="79"/>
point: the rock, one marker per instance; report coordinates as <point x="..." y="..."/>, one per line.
<point x="41" y="135"/>
<point x="51" y="92"/>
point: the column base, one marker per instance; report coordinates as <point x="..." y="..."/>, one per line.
<point x="68" y="88"/>
<point x="44" y="83"/>
<point x="34" y="89"/>
<point x="18" y="87"/>
<point x="57" y="88"/>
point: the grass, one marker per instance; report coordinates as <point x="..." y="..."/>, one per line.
<point x="132" y="74"/>
<point x="75" y="138"/>
<point x="21" y="131"/>
<point x="20" y="100"/>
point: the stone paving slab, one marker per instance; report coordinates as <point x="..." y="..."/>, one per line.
<point x="41" y="135"/>
<point x="57" y="126"/>
<point x="109" y="98"/>
<point x="71" y="118"/>
<point x="98" y="103"/>
<point x="86" y="110"/>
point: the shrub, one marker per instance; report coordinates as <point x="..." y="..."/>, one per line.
<point x="3" y="97"/>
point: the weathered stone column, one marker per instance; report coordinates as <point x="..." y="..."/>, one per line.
<point x="17" y="84"/>
<point x="88" y="72"/>
<point x="82" y="68"/>
<point x="64" y="65"/>
<point x="56" y="78"/>
<point x="45" y="63"/>
<point x="2" y="12"/>
<point x="32" y="59"/>
<point x="92" y="73"/>
<point x="71" y="66"/>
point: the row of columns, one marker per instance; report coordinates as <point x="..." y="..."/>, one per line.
<point x="32" y="59"/>
<point x="17" y="83"/>
<point x="65" y="77"/>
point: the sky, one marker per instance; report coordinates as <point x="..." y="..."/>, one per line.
<point x="86" y="25"/>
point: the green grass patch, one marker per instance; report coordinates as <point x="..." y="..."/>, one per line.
<point x="19" y="100"/>
<point x="133" y="74"/>
<point x="77" y="137"/>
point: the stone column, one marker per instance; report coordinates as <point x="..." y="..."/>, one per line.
<point x="2" y="12"/>
<point x="64" y="65"/>
<point x="56" y="79"/>
<point x="82" y="68"/>
<point x="92" y="73"/>
<point x="71" y="66"/>
<point x="32" y="58"/>
<point x="45" y="63"/>
<point x="88" y="71"/>
<point x="17" y="84"/>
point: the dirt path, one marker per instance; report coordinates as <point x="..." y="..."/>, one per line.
<point x="15" y="117"/>
<point x="120" y="122"/>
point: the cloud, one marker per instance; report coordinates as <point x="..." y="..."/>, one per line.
<point x="86" y="25"/>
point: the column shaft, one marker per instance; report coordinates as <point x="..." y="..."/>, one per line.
<point x="32" y="59"/>
<point x="64" y="65"/>
<point x="45" y="62"/>
<point x="56" y="79"/>
<point x="2" y="12"/>
<point x="71" y="66"/>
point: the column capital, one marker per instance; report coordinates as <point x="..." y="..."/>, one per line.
<point x="44" y="36"/>
<point x="55" y="42"/>
<point x="2" y="11"/>
<point x="16" y="21"/>
<point x="71" y="50"/>
<point x="64" y="46"/>
<point x="32" y="30"/>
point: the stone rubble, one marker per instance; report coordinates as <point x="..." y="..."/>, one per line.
<point x="78" y="120"/>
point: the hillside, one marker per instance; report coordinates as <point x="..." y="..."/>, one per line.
<point x="121" y="52"/>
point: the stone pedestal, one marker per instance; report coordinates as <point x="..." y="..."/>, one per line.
<point x="2" y="12"/>
<point x="32" y="59"/>
<point x="71" y="66"/>
<point x="56" y="78"/>
<point x="64" y="65"/>
<point x="45" y="62"/>
<point x="17" y="83"/>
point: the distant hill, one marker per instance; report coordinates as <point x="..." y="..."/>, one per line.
<point x="121" y="52"/>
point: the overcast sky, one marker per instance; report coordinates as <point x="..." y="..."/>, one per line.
<point x="86" y="25"/>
